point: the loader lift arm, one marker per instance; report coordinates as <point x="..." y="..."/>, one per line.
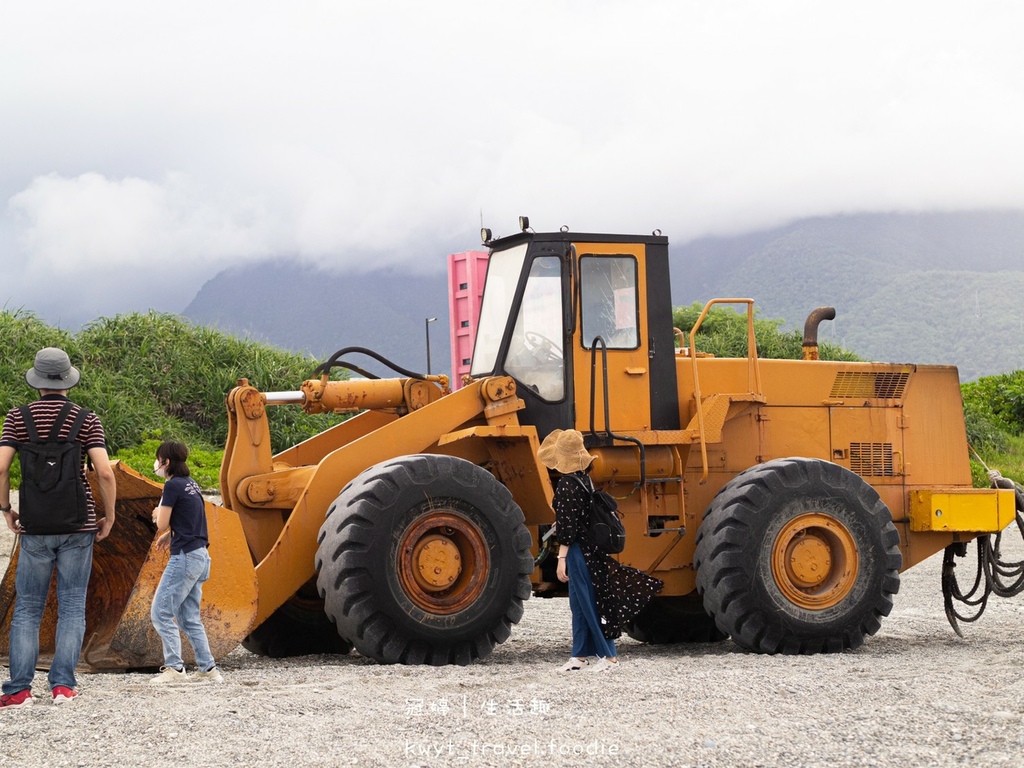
<point x="282" y="500"/>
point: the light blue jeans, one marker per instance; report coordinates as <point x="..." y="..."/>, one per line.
<point x="70" y="555"/>
<point x="177" y="599"/>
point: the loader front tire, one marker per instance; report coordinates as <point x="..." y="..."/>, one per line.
<point x="798" y="556"/>
<point x="424" y="559"/>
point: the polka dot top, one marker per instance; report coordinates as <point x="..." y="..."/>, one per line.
<point x="622" y="592"/>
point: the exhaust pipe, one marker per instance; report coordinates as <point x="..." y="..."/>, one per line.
<point x="810" y="345"/>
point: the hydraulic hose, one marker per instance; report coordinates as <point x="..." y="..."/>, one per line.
<point x="335" y="361"/>
<point x="992" y="576"/>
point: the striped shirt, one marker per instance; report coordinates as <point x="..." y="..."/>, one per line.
<point x="44" y="414"/>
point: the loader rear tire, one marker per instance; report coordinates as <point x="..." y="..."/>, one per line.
<point x="798" y="556"/>
<point x="298" y="628"/>
<point x="424" y="559"/>
<point x="668" y="620"/>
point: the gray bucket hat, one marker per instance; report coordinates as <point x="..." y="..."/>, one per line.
<point x="52" y="370"/>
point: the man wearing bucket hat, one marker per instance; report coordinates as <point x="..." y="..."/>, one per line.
<point x="603" y="594"/>
<point x="70" y="553"/>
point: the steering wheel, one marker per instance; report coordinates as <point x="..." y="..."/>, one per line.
<point x="542" y="348"/>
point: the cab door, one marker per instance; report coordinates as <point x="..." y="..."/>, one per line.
<point x="610" y="299"/>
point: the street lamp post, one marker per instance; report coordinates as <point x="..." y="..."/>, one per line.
<point x="426" y="326"/>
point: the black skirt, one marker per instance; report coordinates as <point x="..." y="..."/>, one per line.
<point x="621" y="591"/>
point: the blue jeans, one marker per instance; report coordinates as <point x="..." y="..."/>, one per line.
<point x="177" y="598"/>
<point x="587" y="637"/>
<point x="71" y="555"/>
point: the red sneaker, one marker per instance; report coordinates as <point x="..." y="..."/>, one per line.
<point x="62" y="693"/>
<point x="15" y="700"/>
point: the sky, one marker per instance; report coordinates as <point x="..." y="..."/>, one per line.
<point x="145" y="147"/>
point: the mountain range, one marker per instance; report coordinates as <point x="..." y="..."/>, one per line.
<point x="919" y="288"/>
<point x="314" y="311"/>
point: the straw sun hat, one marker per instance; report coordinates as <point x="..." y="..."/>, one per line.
<point x="563" y="451"/>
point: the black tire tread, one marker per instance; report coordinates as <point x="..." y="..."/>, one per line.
<point x="296" y="631"/>
<point x="345" y="542"/>
<point x="722" y="557"/>
<point x="669" y="620"/>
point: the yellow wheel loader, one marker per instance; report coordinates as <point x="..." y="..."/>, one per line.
<point x="778" y="500"/>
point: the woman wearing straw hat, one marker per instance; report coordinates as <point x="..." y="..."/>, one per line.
<point x="603" y="594"/>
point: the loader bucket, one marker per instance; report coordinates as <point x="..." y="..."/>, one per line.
<point x="126" y="570"/>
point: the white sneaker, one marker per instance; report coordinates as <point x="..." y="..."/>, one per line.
<point x="573" y="664"/>
<point x="604" y="665"/>
<point x="169" y="675"/>
<point x="209" y="676"/>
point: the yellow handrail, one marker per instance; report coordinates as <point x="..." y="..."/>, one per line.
<point x="753" y="372"/>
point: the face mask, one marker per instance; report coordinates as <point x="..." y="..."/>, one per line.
<point x="158" y="470"/>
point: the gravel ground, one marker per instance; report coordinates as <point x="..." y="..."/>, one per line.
<point x="915" y="694"/>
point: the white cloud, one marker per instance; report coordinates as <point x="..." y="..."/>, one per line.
<point x="91" y="221"/>
<point x="206" y="134"/>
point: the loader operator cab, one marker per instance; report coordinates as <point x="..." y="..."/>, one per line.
<point x="521" y="329"/>
<point x="558" y="307"/>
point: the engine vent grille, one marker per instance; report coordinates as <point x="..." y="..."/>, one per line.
<point x="880" y="384"/>
<point x="871" y="459"/>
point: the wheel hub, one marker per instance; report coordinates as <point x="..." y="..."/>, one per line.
<point x="815" y="561"/>
<point x="437" y="563"/>
<point x="810" y="560"/>
<point x="442" y="561"/>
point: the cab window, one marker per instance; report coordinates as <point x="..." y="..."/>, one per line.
<point x="535" y="356"/>
<point x="608" y="299"/>
<point x="503" y="271"/>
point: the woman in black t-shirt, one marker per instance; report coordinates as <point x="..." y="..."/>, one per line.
<point x="181" y="516"/>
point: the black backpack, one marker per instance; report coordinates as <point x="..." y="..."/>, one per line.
<point x="605" y="531"/>
<point x="51" y="499"/>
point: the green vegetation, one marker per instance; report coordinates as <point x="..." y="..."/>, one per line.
<point x="994" y="409"/>
<point x="724" y="334"/>
<point x="154" y="377"/>
<point x="203" y="463"/>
